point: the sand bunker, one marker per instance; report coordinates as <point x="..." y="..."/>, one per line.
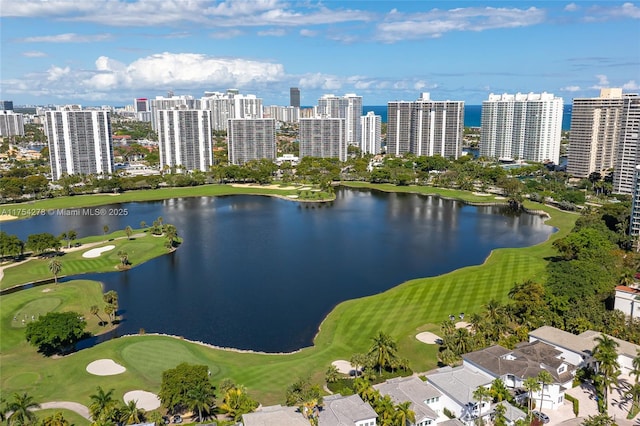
<point x="430" y="338"/>
<point x="96" y="252"/>
<point x="105" y="367"/>
<point x="463" y="324"/>
<point x="145" y="400"/>
<point x="343" y="366"/>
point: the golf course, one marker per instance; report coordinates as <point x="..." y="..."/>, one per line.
<point x="402" y="312"/>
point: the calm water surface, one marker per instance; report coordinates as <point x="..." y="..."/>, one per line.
<point x="261" y="273"/>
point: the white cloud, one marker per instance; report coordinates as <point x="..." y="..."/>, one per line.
<point x="571" y="7"/>
<point x="143" y="13"/>
<point x="435" y="23"/>
<point x="56" y="73"/>
<point x="34" y="54"/>
<point x="320" y="81"/>
<point x="225" y="34"/>
<point x="67" y="38"/>
<point x="631" y="85"/>
<point x="274" y="32"/>
<point x="603" y="13"/>
<point x="603" y="82"/>
<point x="308" y="33"/>
<point x="570" y="89"/>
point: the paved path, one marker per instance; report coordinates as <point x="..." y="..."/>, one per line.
<point x="73" y="406"/>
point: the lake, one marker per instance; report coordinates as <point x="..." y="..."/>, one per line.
<point x="261" y="273"/>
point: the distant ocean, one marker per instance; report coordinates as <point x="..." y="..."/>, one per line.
<point x="472" y="114"/>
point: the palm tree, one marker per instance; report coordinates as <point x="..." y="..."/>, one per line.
<point x="101" y="403"/>
<point x="105" y="229"/>
<point x="55" y="420"/>
<point x="71" y="235"/>
<point x="633" y="393"/>
<point x="544" y="378"/>
<point x="129" y="231"/>
<point x="385" y="409"/>
<point x="130" y="414"/>
<point x="200" y="398"/>
<point x="404" y="415"/>
<point x="124" y="258"/>
<point x="95" y="310"/>
<point x="55" y="266"/>
<point x="636" y="366"/>
<point x="21" y="410"/>
<point x="363" y="388"/>
<point x="237" y="402"/>
<point x="531" y="385"/>
<point x="481" y="394"/>
<point x="143" y="224"/>
<point x="461" y="341"/>
<point x="358" y="361"/>
<point x="606" y="355"/>
<point x="384" y="350"/>
<point x="332" y="375"/>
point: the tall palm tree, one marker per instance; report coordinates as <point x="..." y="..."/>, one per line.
<point x="21" y="410"/>
<point x="101" y="403"/>
<point x="606" y="356"/>
<point x="531" y="385"/>
<point x="404" y="415"/>
<point x="383" y="349"/>
<point x="333" y="374"/>
<point x="55" y="266"/>
<point x="56" y="419"/>
<point x="636" y="366"/>
<point x="200" y="398"/>
<point x="358" y="361"/>
<point x="129" y="231"/>
<point x="482" y="394"/>
<point x="544" y="378"/>
<point x="95" y="310"/>
<point x="71" y="235"/>
<point x="363" y="388"/>
<point x="130" y="414"/>
<point x="385" y="409"/>
<point x="124" y="258"/>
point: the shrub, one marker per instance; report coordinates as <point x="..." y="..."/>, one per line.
<point x="448" y="413"/>
<point x="575" y="402"/>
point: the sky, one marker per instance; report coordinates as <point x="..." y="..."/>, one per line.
<point x="108" y="52"/>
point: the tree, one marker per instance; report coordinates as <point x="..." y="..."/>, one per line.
<point x="499" y="417"/>
<point x="101" y="402"/>
<point x="55" y="266"/>
<point x="57" y="419"/>
<point x="363" y="388"/>
<point x="606" y="356"/>
<point x="201" y="398"/>
<point x="404" y="415"/>
<point x="237" y="402"/>
<point x="143" y="224"/>
<point x="482" y="394"/>
<point x="383" y="350"/>
<point x="531" y="385"/>
<point x="303" y="391"/>
<point x="130" y="414"/>
<point x="178" y="381"/>
<point x="124" y="258"/>
<point x="544" y="378"/>
<point x="96" y="311"/>
<point x="172" y="234"/>
<point x="105" y="229"/>
<point x="111" y="299"/>
<point x="129" y="231"/>
<point x="599" y="420"/>
<point x="39" y="243"/>
<point x="56" y="332"/>
<point x="499" y="391"/>
<point x="21" y="410"/>
<point x="332" y="375"/>
<point x="71" y="236"/>
<point x="358" y="361"/>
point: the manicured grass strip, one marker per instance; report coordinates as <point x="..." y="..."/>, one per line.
<point x="139" y="249"/>
<point x="403" y="311"/>
<point x="93" y="200"/>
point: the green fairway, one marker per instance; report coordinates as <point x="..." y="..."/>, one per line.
<point x="411" y="307"/>
<point x="140" y="248"/>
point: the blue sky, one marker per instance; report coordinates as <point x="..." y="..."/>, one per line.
<point x="107" y="52"/>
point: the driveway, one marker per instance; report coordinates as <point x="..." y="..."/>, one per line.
<point x="585" y="394"/>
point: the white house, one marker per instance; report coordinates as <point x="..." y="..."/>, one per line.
<point x="424" y="398"/>
<point x="513" y="367"/>
<point x="628" y="300"/>
<point x="349" y="410"/>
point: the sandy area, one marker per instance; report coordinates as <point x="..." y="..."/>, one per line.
<point x="248" y="185"/>
<point x="462" y="324"/>
<point x="96" y="252"/>
<point x="481" y="194"/>
<point x="500" y="198"/>
<point x="427" y="337"/>
<point x="145" y="400"/>
<point x="105" y="367"/>
<point x="343" y="366"/>
<point x="292" y="196"/>
<point x="5" y="217"/>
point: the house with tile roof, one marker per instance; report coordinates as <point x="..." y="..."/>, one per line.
<point x="349" y="410"/>
<point x="275" y="415"/>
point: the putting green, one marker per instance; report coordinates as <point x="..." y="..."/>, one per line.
<point x="32" y="310"/>
<point x="155" y="356"/>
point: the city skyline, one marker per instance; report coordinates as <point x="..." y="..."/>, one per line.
<point x="112" y="51"/>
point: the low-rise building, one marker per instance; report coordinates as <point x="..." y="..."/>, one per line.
<point x="275" y="415"/>
<point x="349" y="410"/>
<point x="628" y="300"/>
<point x="424" y="398"/>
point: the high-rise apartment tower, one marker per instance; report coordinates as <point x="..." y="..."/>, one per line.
<point x="323" y="137"/>
<point x="294" y="97"/>
<point x="185" y="138"/>
<point x="251" y="139"/>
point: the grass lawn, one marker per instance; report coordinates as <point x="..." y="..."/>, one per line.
<point x="139" y="249"/>
<point x="403" y="311"/>
<point x="156" y="194"/>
